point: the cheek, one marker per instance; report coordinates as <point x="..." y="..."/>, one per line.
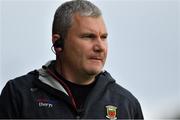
<point x="106" y="50"/>
<point x="82" y="48"/>
<point x="75" y="52"/>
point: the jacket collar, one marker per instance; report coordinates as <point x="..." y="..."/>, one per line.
<point x="103" y="80"/>
<point x="45" y="78"/>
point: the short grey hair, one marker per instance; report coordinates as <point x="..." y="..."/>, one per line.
<point x="63" y="15"/>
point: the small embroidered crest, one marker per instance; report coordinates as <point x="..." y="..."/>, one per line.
<point x="111" y="112"/>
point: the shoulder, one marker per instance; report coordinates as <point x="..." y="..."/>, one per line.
<point x="124" y="97"/>
<point x="120" y="92"/>
<point x="22" y="82"/>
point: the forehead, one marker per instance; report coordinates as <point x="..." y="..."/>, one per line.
<point x="88" y="23"/>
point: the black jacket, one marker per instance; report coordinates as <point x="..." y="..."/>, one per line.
<point x="39" y="95"/>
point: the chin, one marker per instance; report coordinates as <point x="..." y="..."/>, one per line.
<point x="94" y="72"/>
<point x="93" y="69"/>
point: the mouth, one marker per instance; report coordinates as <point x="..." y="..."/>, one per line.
<point x="95" y="58"/>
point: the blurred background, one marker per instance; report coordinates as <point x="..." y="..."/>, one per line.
<point x="144" y="46"/>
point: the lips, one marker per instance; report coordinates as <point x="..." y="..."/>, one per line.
<point x="98" y="58"/>
<point x="95" y="58"/>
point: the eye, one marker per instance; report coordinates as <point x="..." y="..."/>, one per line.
<point x="88" y="36"/>
<point x="104" y="37"/>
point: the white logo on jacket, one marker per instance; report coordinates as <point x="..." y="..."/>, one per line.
<point x="49" y="105"/>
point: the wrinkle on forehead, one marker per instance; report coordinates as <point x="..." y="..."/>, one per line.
<point x="89" y="24"/>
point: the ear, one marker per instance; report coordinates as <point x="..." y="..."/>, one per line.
<point x="56" y="37"/>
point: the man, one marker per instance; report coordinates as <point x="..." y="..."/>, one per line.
<point x="74" y="85"/>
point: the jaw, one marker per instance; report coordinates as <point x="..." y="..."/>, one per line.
<point x="94" y="67"/>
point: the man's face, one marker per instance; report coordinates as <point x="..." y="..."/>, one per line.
<point x="85" y="47"/>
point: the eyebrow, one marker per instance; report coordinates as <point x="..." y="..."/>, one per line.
<point x="89" y="34"/>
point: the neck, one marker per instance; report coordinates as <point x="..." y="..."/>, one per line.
<point x="73" y="75"/>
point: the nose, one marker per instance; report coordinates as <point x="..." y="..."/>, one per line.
<point x="100" y="45"/>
